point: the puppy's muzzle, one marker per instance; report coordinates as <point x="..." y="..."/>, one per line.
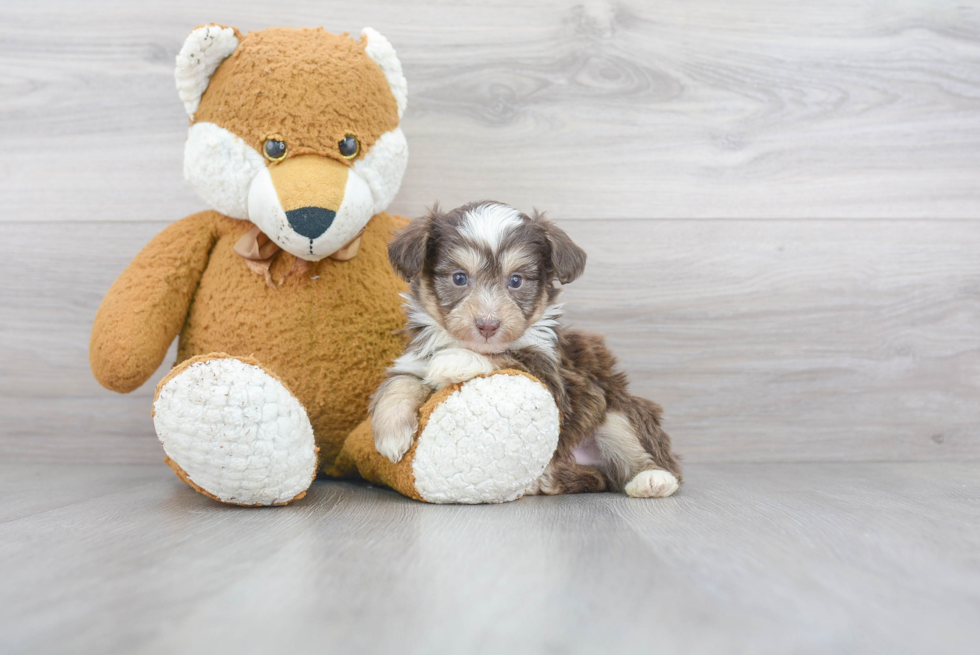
<point x="487" y="326"/>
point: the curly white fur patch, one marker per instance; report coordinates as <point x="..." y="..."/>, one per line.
<point x="202" y="53"/>
<point x="383" y="167"/>
<point x="381" y="51"/>
<point x="221" y="167"/>
<point x="237" y="432"/>
<point x="487" y="442"/>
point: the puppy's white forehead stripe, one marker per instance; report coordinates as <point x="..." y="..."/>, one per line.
<point x="489" y="224"/>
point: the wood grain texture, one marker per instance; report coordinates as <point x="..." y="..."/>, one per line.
<point x="765" y="340"/>
<point x="592" y="110"/>
<point x="785" y="558"/>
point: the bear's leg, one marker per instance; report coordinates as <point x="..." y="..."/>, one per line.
<point x="234" y="432"/>
<point x="481" y="441"/>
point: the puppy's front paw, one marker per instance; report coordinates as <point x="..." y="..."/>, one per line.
<point x="394" y="426"/>
<point x="454" y="365"/>
<point x="394" y="445"/>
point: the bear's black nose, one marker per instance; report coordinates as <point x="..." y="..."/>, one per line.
<point x="310" y="222"/>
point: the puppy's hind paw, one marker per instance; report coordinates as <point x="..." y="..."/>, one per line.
<point x="655" y="483"/>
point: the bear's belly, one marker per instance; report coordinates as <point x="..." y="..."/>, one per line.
<point x="328" y="332"/>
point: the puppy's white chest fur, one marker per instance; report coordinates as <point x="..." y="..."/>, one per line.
<point x="453" y="365"/>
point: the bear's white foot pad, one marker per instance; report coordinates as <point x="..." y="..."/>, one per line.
<point x="487" y="442"/>
<point x="652" y="484"/>
<point x="237" y="433"/>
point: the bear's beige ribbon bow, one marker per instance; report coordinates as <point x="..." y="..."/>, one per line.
<point x="259" y="251"/>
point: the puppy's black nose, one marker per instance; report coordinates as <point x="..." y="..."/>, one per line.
<point x="310" y="222"/>
<point x="487" y="326"/>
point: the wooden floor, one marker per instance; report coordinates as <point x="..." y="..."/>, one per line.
<point x="747" y="558"/>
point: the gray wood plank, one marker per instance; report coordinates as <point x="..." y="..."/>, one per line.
<point x="32" y="490"/>
<point x="764" y="340"/>
<point x="751" y="558"/>
<point x="794" y="340"/>
<point x="51" y="407"/>
<point x="595" y="110"/>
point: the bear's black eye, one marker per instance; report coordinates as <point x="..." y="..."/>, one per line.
<point x="459" y="279"/>
<point x="349" y="147"/>
<point x="274" y="149"/>
<point x="515" y="281"/>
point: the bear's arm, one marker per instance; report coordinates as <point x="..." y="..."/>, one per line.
<point x="146" y="307"/>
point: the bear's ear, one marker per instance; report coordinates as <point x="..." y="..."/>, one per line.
<point x="202" y="53"/>
<point x="380" y="50"/>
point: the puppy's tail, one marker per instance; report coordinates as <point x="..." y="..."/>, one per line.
<point x="645" y="416"/>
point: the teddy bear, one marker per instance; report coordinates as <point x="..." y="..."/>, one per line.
<point x="281" y="295"/>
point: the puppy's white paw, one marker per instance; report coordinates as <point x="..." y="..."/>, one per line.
<point x="394" y="445"/>
<point x="656" y="483"/>
<point x="394" y="425"/>
<point x="454" y="365"/>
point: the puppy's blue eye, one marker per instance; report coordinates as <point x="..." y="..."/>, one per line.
<point x="515" y="282"/>
<point x="459" y="279"/>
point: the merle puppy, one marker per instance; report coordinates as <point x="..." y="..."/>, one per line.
<point x="483" y="298"/>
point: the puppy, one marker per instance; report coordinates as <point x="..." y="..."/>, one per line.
<point x="482" y="297"/>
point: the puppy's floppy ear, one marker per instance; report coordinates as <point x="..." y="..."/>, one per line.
<point x="406" y="252"/>
<point x="567" y="259"/>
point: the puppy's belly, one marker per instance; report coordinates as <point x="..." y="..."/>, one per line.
<point x="587" y="453"/>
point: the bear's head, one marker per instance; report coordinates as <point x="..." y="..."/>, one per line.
<point x="295" y="130"/>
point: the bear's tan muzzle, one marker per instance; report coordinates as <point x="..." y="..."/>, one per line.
<point x="311" y="190"/>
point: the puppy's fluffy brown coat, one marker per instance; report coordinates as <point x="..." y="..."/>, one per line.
<point x="482" y="297"/>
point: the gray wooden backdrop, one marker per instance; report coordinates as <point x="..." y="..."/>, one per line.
<point x="781" y="200"/>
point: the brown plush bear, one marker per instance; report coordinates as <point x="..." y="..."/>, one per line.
<point x="286" y="308"/>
